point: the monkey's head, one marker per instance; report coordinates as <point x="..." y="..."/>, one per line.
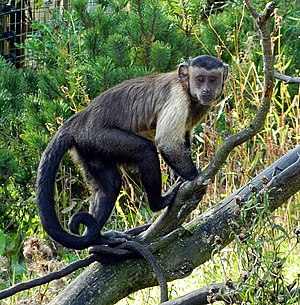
<point x="203" y="77"/>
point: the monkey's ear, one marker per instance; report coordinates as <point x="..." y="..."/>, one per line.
<point x="225" y="72"/>
<point x="183" y="72"/>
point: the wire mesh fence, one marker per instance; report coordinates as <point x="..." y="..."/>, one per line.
<point x="16" y="17"/>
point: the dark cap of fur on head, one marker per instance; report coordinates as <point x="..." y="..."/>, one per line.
<point x="205" y="61"/>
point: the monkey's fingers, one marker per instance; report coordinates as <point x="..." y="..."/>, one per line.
<point x="108" y="255"/>
<point x="138" y="230"/>
<point x="115" y="238"/>
<point x="170" y="195"/>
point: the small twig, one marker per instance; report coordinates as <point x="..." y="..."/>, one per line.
<point x="251" y="9"/>
<point x="49" y="277"/>
<point x="206" y="295"/>
<point x="287" y="79"/>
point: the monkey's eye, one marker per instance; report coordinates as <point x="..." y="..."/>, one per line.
<point x="212" y="79"/>
<point x="201" y="79"/>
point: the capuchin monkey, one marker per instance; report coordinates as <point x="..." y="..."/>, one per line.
<point x="126" y="125"/>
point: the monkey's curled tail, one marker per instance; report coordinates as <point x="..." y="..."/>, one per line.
<point x="48" y="166"/>
<point x="156" y="267"/>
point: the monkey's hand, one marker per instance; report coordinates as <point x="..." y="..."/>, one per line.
<point x="168" y="198"/>
<point x="112" y="238"/>
<point x="138" y="230"/>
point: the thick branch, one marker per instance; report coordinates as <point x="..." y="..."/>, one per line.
<point x="188" y="246"/>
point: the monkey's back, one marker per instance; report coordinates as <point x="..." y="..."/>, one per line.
<point x="132" y="105"/>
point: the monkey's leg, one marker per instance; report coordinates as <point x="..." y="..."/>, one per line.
<point x="127" y="147"/>
<point x="105" y="181"/>
<point x="152" y="186"/>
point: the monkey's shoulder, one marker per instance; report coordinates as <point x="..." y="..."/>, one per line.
<point x="140" y="95"/>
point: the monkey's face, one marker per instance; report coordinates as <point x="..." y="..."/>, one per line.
<point x="205" y="85"/>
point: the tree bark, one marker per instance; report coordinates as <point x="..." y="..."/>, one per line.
<point x="186" y="247"/>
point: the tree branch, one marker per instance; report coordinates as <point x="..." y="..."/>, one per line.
<point x="216" y="292"/>
<point x="287" y="79"/>
<point x="188" y="246"/>
<point x="5" y="293"/>
<point x="202" y="296"/>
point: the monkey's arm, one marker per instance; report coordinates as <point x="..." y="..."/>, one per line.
<point x="179" y="159"/>
<point x="187" y="140"/>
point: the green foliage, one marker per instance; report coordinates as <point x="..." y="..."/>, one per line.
<point x="12" y="88"/>
<point x="2" y="242"/>
<point x="8" y="165"/>
<point x="160" y="55"/>
<point x="12" y="91"/>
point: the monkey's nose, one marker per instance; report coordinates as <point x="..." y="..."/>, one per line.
<point x="206" y="90"/>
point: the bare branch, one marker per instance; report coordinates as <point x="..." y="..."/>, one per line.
<point x="48" y="278"/>
<point x="203" y="296"/>
<point x="287" y="79"/>
<point x="217" y="292"/>
<point x="251" y="9"/>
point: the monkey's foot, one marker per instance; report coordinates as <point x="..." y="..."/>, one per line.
<point x="113" y="238"/>
<point x="107" y="252"/>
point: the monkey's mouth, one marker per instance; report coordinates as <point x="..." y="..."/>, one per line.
<point x="207" y="99"/>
